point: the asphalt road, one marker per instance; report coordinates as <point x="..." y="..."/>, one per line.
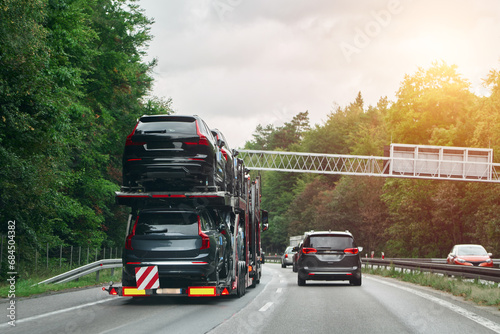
<point x="277" y="305"/>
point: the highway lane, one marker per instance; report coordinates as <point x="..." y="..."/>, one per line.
<point x="380" y="305"/>
<point x="277" y="305"/>
<point x="93" y="311"/>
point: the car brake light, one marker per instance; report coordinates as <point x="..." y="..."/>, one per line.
<point x="128" y="241"/>
<point x="224" y="153"/>
<point x="309" y="250"/>
<point x="203" y="140"/>
<point x="351" y="250"/>
<point x="129" y="142"/>
<point x="205" y="241"/>
<point x="286" y="256"/>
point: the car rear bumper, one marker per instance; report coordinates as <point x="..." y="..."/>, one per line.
<point x="197" y="267"/>
<point x="175" y="269"/>
<point x="329" y="274"/>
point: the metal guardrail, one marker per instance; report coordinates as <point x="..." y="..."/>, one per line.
<point x="420" y="264"/>
<point x="272" y="258"/>
<point x="483" y="273"/>
<point x="85" y="270"/>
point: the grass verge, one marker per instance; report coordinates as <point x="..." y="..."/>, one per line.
<point x="29" y="287"/>
<point x="476" y="291"/>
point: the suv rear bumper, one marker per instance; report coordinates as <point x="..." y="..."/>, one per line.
<point x="331" y="274"/>
<point x="174" y="269"/>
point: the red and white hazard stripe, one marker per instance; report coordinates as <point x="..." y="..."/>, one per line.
<point x="147" y="278"/>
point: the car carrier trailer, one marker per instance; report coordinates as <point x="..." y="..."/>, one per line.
<point x="245" y="261"/>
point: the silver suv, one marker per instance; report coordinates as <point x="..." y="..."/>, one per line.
<point x="329" y="256"/>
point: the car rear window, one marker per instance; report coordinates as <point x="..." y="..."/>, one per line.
<point x="172" y="223"/>
<point x="185" y="127"/>
<point x="334" y="242"/>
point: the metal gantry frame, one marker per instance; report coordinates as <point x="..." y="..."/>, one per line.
<point x="371" y="166"/>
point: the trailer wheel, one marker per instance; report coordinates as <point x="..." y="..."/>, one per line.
<point x="127" y="280"/>
<point x="215" y="275"/>
<point x="241" y="289"/>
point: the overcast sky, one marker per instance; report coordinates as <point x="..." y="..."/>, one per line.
<point x="240" y="63"/>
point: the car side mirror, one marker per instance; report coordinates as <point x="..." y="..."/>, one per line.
<point x="221" y="143"/>
<point x="490" y="254"/>
<point x="360" y="249"/>
<point x="235" y="153"/>
<point x="295" y="249"/>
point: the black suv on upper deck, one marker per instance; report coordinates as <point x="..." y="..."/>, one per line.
<point x="171" y="152"/>
<point x="328" y="256"/>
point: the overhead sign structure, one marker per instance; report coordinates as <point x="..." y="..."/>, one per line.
<point x="440" y="161"/>
<point x="399" y="160"/>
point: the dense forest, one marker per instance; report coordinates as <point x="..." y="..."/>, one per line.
<point x="400" y="217"/>
<point x="73" y="81"/>
<point x="72" y="84"/>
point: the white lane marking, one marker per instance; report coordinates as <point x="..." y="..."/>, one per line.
<point x="44" y="315"/>
<point x="460" y="310"/>
<point x="279" y="290"/>
<point x="265" y="307"/>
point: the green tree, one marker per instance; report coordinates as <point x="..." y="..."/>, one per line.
<point x="433" y="107"/>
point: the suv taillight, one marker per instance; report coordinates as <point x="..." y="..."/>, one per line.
<point x="128" y="240"/>
<point x="202" y="141"/>
<point x="129" y="142"/>
<point x="351" y="250"/>
<point x="205" y="241"/>
<point x="306" y="250"/>
<point x="224" y="153"/>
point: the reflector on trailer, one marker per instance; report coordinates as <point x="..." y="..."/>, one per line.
<point x="201" y="291"/>
<point x="113" y="292"/>
<point x="133" y="292"/>
<point x="225" y="292"/>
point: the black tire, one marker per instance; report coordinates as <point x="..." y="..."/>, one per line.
<point x="243" y="278"/>
<point x="300" y="281"/>
<point x="127" y="280"/>
<point x="283" y="265"/>
<point x="356" y="281"/>
<point x="241" y="289"/>
<point x="225" y="267"/>
<point x="215" y="275"/>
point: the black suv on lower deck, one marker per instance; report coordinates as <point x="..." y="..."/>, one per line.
<point x="329" y="256"/>
<point x="185" y="244"/>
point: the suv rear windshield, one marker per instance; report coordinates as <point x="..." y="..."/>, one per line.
<point x="187" y="127"/>
<point x="173" y="223"/>
<point x="336" y="242"/>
